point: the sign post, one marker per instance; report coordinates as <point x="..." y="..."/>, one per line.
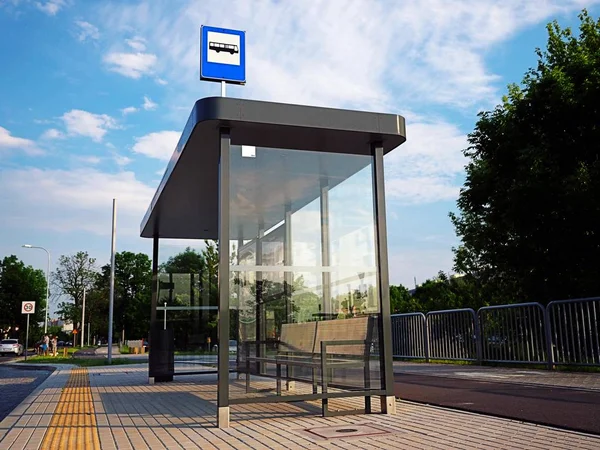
<point x="222" y="56"/>
<point x="27" y="308"/>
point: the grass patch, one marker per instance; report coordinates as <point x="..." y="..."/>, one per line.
<point x="194" y="352"/>
<point x="437" y="361"/>
<point x="81" y="362"/>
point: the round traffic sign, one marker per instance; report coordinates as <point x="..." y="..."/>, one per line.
<point x="28" y="307"/>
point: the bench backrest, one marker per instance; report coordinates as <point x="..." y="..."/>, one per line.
<point x="306" y="337"/>
<point x="356" y="329"/>
<point x="298" y="337"/>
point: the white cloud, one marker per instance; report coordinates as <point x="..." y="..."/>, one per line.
<point x="86" y="30"/>
<point x="149" y="104"/>
<point x="74" y="200"/>
<point x="7" y="141"/>
<point x="161" y="81"/>
<point x="84" y="123"/>
<point x="427" y="167"/>
<point x="137" y="43"/>
<point x="121" y="160"/>
<point x="129" y="110"/>
<point x="131" y="65"/>
<point x="50" y="7"/>
<point x="159" y="145"/>
<point x="43" y="121"/>
<point x="53" y="133"/>
<point x="93" y="160"/>
<point x="365" y="54"/>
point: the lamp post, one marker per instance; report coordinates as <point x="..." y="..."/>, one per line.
<point x="47" y="283"/>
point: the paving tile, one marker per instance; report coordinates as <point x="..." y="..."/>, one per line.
<point x="132" y="414"/>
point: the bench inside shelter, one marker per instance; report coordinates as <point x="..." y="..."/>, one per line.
<point x="321" y="347"/>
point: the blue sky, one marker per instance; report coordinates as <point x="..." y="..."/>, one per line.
<point x="93" y="96"/>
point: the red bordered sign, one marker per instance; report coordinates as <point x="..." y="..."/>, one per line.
<point x="27" y="307"/>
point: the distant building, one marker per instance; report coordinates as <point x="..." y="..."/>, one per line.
<point x="66" y="325"/>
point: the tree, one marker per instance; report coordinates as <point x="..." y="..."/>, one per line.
<point x="133" y="293"/>
<point x="19" y="283"/>
<point x="194" y="278"/>
<point x="448" y="292"/>
<point x="402" y="302"/>
<point x="530" y="207"/>
<point x="188" y="261"/>
<point x="73" y="275"/>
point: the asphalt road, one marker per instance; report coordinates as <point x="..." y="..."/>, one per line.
<point x="572" y="409"/>
<point x="16" y="384"/>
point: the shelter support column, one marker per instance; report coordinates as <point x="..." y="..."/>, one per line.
<point x="224" y="269"/>
<point x="388" y="403"/>
<point x="260" y="307"/>
<point x="288" y="281"/>
<point x="153" y="299"/>
<point x="325" y="246"/>
<point x="287" y="261"/>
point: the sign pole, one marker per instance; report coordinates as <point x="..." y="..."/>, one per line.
<point x="27" y="337"/>
<point x="112" y="281"/>
<point x="83" y="319"/>
<point x="223" y="89"/>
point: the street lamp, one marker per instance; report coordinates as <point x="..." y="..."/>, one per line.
<point x="47" y="283"/>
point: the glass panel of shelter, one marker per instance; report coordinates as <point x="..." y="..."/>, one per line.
<point x="303" y="259"/>
<point x="190" y="294"/>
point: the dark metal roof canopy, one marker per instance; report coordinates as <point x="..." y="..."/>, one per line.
<point x="185" y="205"/>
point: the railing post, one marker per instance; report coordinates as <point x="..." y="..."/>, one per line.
<point x="548" y="334"/>
<point x="478" y="338"/>
<point x="426" y="338"/>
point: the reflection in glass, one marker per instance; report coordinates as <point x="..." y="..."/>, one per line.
<point x="303" y="271"/>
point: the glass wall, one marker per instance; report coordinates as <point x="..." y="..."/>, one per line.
<point x="188" y="288"/>
<point x="303" y="271"/>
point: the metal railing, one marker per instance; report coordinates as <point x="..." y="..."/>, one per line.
<point x="452" y="334"/>
<point x="513" y="333"/>
<point x="410" y="335"/>
<point x="566" y="332"/>
<point x="575" y="331"/>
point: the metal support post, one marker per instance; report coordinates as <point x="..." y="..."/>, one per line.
<point x="325" y="247"/>
<point x="112" y="280"/>
<point x="27" y="337"/>
<point x="83" y="319"/>
<point x="385" y="328"/>
<point x="223" y="322"/>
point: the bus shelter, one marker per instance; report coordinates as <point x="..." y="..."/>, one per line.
<point x="294" y="195"/>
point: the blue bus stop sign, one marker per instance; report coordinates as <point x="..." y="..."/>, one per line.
<point x="222" y="55"/>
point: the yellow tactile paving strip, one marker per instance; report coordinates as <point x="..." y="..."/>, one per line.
<point x="73" y="423"/>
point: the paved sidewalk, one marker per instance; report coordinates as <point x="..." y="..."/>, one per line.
<point x="129" y="414"/>
<point x="574" y="380"/>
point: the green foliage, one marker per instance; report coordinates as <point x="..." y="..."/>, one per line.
<point x="439" y="293"/>
<point x="531" y="202"/>
<point x="74" y="274"/>
<point x="133" y="293"/>
<point x="19" y="283"/>
<point x="402" y="302"/>
<point x="195" y="281"/>
<point x="444" y="292"/>
<point x="188" y="261"/>
<point x="81" y="362"/>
